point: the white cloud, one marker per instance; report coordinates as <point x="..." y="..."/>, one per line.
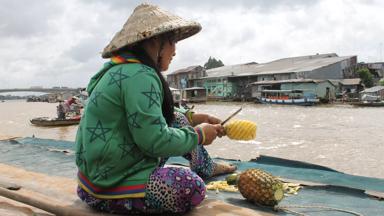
<point x="55" y="43"/>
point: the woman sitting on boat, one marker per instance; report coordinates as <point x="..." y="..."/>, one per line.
<point x="130" y="126"/>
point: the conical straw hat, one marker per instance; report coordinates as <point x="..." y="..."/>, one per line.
<point x="147" y="21"/>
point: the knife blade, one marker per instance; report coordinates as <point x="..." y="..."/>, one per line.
<point x="231" y="116"/>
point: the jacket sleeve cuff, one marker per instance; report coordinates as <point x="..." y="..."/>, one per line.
<point x="200" y="134"/>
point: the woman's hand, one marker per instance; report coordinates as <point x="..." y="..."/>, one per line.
<point x="220" y="130"/>
<point x="198" y="118"/>
<point x="210" y="132"/>
<point x="213" y="119"/>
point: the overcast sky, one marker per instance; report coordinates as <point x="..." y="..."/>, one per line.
<point x="58" y="42"/>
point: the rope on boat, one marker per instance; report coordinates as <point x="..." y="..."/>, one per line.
<point x="287" y="208"/>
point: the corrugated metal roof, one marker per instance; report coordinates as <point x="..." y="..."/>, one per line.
<point x="184" y="70"/>
<point x="281" y="66"/>
<point x="373" y="89"/>
<point x="194" y="88"/>
<point x="289" y="81"/>
<point x="355" y="81"/>
<point x="335" y="82"/>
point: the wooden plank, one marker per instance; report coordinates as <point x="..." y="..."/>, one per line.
<point x="48" y="204"/>
<point x="58" y="195"/>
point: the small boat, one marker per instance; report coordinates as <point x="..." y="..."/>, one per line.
<point x="368" y="103"/>
<point x="47" y="121"/>
<point x="289" y="97"/>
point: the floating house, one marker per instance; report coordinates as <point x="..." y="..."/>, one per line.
<point x="176" y="93"/>
<point x="374" y="93"/>
<point x="351" y="85"/>
<point x="194" y="95"/>
<point x="320" y="89"/>
<point x="348" y="89"/>
<point x="234" y="81"/>
<point x="186" y="77"/>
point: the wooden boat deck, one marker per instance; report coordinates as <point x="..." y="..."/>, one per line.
<point x="38" y="175"/>
<point x="60" y="193"/>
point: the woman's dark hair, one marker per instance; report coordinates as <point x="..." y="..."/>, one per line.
<point x="167" y="107"/>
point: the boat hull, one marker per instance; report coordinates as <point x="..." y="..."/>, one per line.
<point x="368" y="104"/>
<point x="301" y="101"/>
<point x="47" y="122"/>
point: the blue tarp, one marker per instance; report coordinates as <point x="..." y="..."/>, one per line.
<point x="340" y="190"/>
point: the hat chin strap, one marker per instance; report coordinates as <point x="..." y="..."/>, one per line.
<point x="154" y="53"/>
<point x="158" y="55"/>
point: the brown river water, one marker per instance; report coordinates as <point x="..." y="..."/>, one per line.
<point x="342" y="137"/>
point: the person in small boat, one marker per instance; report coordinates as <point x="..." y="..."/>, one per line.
<point x="60" y="111"/>
<point x="76" y="106"/>
<point x="67" y="104"/>
<point x="130" y="126"/>
<point x="72" y="107"/>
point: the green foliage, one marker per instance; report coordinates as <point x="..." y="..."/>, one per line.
<point x="213" y="63"/>
<point x="366" y="77"/>
<point x="382" y="82"/>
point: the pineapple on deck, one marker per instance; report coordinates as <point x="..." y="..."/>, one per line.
<point x="260" y="187"/>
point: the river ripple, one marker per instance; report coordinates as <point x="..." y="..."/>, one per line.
<point x="342" y="137"/>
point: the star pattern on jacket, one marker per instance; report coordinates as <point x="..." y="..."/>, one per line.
<point x="80" y="156"/>
<point x="125" y="148"/>
<point x="104" y="172"/>
<point x="145" y="68"/>
<point x="172" y="134"/>
<point x="117" y="77"/>
<point x="133" y="169"/>
<point x="153" y="96"/>
<point x="94" y="96"/>
<point x="159" y="122"/>
<point x="132" y="120"/>
<point x="98" y="132"/>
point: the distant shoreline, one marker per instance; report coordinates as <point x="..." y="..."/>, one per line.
<point x="6" y="137"/>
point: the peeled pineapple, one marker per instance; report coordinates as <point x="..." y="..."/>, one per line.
<point x="260" y="187"/>
<point x="241" y="130"/>
<point x="221" y="186"/>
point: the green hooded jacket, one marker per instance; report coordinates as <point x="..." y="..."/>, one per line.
<point x="123" y="134"/>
